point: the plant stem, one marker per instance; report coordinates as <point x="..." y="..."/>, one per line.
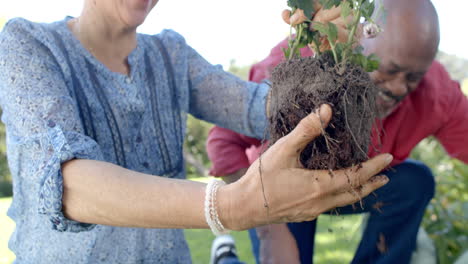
<point x="317" y="47"/>
<point x="296" y="41"/>
<point x="350" y="41"/>
<point x="335" y="56"/>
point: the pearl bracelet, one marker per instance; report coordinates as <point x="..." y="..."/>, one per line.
<point x="211" y="214"/>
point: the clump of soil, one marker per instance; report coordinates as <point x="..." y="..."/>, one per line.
<point x="299" y="86"/>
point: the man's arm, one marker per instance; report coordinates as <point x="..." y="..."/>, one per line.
<point x="226" y="150"/>
<point x="453" y="133"/>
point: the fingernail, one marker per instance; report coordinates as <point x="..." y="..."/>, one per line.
<point x="384" y="178"/>
<point x="389" y="158"/>
<point x="380" y="178"/>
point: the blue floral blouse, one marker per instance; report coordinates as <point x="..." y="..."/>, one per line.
<point x="60" y="103"/>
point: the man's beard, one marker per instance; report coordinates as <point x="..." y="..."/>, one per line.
<point x="387" y="96"/>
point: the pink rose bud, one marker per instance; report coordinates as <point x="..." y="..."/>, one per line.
<point x="371" y="30"/>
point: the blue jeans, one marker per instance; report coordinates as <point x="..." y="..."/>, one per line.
<point x="404" y="198"/>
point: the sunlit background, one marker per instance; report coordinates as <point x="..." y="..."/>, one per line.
<point x="243" y="30"/>
<point x="236" y="34"/>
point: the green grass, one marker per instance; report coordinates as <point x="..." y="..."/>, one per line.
<point x="6" y="228"/>
<point x="336" y="239"/>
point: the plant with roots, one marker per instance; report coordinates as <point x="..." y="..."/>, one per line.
<point x="328" y="37"/>
<point x="337" y="75"/>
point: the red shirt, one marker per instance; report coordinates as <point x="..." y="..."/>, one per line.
<point x="437" y="107"/>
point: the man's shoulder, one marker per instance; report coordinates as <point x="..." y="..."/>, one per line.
<point x="436" y="91"/>
<point x="437" y="82"/>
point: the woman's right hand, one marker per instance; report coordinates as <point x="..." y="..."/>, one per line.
<point x="277" y="189"/>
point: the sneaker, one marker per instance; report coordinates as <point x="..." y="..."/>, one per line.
<point x="223" y="246"/>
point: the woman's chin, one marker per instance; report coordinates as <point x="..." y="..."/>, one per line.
<point x="135" y="20"/>
<point x="135" y="16"/>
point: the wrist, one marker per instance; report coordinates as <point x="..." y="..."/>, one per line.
<point x="241" y="206"/>
<point x="225" y="208"/>
<point x="212" y="207"/>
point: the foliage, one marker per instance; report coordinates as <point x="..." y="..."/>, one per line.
<point x="331" y="247"/>
<point x="238" y="70"/>
<point x="305" y="5"/>
<point x="456" y="66"/>
<point x="5" y="177"/>
<point x="336" y="240"/>
<point x="194" y="145"/>
<point x="319" y="35"/>
<point x="446" y="218"/>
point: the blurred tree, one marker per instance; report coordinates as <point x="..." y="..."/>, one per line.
<point x="456" y="66"/>
<point x="196" y="159"/>
<point x="5" y="178"/>
<point x="240" y="71"/>
<point x="446" y="218"/>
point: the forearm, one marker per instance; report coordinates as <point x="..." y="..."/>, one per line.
<point x="103" y="193"/>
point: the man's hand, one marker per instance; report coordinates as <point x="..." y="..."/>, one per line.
<point x="323" y="16"/>
<point x="277" y="245"/>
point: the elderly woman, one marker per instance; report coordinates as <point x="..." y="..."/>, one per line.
<point x="95" y="116"/>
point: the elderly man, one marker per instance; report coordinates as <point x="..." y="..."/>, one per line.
<point x="417" y="99"/>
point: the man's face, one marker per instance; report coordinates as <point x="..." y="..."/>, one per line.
<point x="400" y="72"/>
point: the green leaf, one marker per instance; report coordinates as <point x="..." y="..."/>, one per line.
<point x="328" y="4"/>
<point x="340" y="48"/>
<point x="310" y="34"/>
<point x="286" y="52"/>
<point x="372" y="63"/>
<point x="292" y="3"/>
<point x="345" y="9"/>
<point x="322" y="28"/>
<point x="369" y="64"/>
<point x="332" y="32"/>
<point x="367" y="8"/>
<point x="301" y="45"/>
<point x="381" y="14"/>
<point x="316" y="41"/>
<point x="358" y="59"/>
<point x="306" y="5"/>
<point x="359" y="49"/>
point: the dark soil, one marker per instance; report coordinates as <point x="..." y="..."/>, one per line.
<point x="299" y="86"/>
